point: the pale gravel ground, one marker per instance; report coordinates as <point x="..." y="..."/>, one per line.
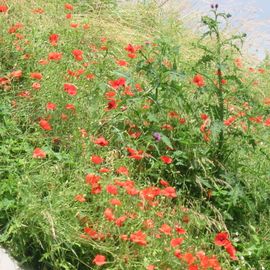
<point x="6" y="262"/>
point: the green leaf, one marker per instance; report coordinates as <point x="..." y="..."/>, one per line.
<point x="152" y="118"/>
<point x="166" y="140"/>
<point x="216" y="128"/>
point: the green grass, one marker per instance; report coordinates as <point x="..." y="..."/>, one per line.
<point x="221" y="182"/>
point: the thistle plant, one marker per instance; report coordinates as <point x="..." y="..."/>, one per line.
<point x="219" y="57"/>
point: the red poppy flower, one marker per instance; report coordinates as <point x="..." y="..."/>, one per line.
<point x="124" y="237"/>
<point x="167" y="126"/>
<point x="238" y="62"/>
<point x="68" y="16"/>
<point x="54" y="39"/>
<point x="188" y="258"/>
<point x="132" y="191"/>
<point x="3" y="8"/>
<point x="92" y="179"/>
<point x="199" y="80"/>
<point x="96" y="189"/>
<point x="150" y="193"/>
<point x="180" y="230"/>
<point x="86" y="26"/>
<point x="51" y="106"/>
<point x="90" y="76"/>
<point x="70" y="89"/>
<point x="110" y="95"/>
<point x="38" y="10"/>
<point x="15" y="27"/>
<point x="68" y="6"/>
<point x="83" y="132"/>
<point x="26" y="94"/>
<point x="182" y="121"/>
<point x="229" y="121"/>
<point x="128" y="91"/>
<point x="16" y="74"/>
<point x="76" y="73"/>
<point x="112" y="189"/>
<point x="96" y="159"/>
<point x="39" y="153"/>
<point x="166" y="159"/>
<point x="177" y="254"/>
<point x="44" y="124"/>
<point x="132" y="55"/>
<point x="231" y="251"/>
<point x="166" y="229"/>
<point x="120" y="221"/>
<point x="74" y="25"/>
<point x="104" y="170"/>
<point x="149" y="224"/>
<point x="176" y="242"/>
<point x="223" y="81"/>
<point x="43" y="62"/>
<point x="136" y="154"/>
<point x="108" y="214"/>
<point x="80" y="198"/>
<point x="103" y="48"/>
<point x="36" y="86"/>
<point x="164" y="183"/>
<point x="99" y="260"/>
<point x="173" y="114"/>
<point x="117" y="83"/>
<point x="257" y="119"/>
<point x="127" y="183"/>
<point x="267" y="122"/>
<point x="150" y="267"/>
<point x="185" y="219"/>
<point x="169" y="192"/>
<point x="70" y="107"/>
<point x="55" y="56"/>
<point x="132" y="49"/>
<point x="266" y="101"/>
<point x="64" y="117"/>
<point x="115" y="201"/>
<point x="111" y="105"/>
<point x="122" y="170"/>
<point x="101" y="141"/>
<point x="36" y="75"/>
<point x="261" y="70"/>
<point x="221" y="239"/>
<point x="90" y="232"/>
<point x="139" y="238"/>
<point x="204" y="116"/>
<point x="121" y="63"/>
<point x="78" y="55"/>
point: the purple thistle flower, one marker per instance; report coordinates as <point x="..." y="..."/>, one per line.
<point x="157" y="136"/>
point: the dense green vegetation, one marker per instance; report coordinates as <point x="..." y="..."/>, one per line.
<point x="127" y="142"/>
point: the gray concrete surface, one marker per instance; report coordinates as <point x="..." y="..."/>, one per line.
<point x="6" y="262"/>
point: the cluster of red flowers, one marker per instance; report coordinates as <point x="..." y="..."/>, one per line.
<point x="222" y="239"/>
<point x="112" y="188"/>
<point x="3" y="8"/>
<point x="199" y="80"/>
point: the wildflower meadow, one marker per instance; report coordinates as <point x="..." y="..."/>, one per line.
<point x="129" y="141"/>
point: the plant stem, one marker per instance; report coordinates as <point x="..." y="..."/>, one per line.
<point x="220" y="99"/>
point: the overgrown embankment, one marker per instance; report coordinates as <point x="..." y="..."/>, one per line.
<point x="127" y="143"/>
